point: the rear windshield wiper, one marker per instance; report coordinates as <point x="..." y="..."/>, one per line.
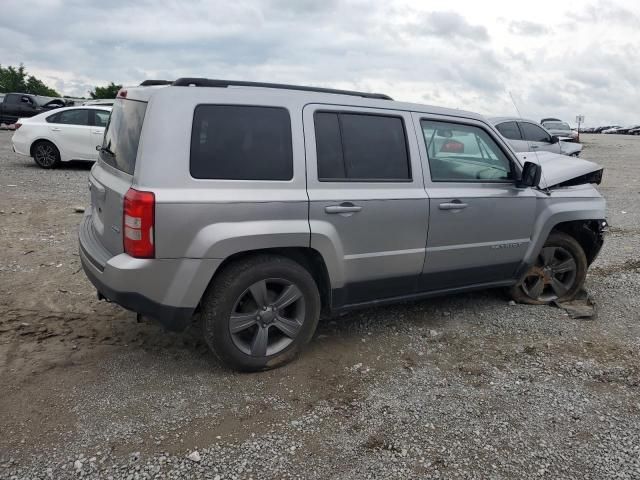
<point x="106" y="150"/>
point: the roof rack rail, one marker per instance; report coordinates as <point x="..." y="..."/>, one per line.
<point x="151" y="83"/>
<point x="208" y="82"/>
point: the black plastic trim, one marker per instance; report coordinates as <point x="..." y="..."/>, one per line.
<point x="209" y="82"/>
<point x="391" y="290"/>
<point x="151" y="83"/>
<point x="172" y="318"/>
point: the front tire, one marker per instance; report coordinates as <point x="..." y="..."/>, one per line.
<point x="557" y="275"/>
<point x="46" y="154"/>
<point x="260" y="312"/>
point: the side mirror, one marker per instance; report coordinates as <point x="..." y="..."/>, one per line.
<point x="98" y="148"/>
<point x="554" y="139"/>
<point x="26" y="100"/>
<point x="531" y="173"/>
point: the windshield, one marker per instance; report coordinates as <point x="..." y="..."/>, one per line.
<point x="122" y="135"/>
<point x="557" y="125"/>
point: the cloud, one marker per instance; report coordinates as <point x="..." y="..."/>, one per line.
<point x="608" y="12"/>
<point x="458" y="55"/>
<point x="449" y="25"/>
<point x="524" y="27"/>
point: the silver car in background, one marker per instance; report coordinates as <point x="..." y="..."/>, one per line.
<point x="528" y="136"/>
<point x="560" y="129"/>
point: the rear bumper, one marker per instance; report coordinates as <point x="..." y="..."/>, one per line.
<point x="173" y="318"/>
<point x="20" y="147"/>
<point x="166" y="290"/>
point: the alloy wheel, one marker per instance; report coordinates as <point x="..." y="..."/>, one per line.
<point x="553" y="275"/>
<point x="267" y="317"/>
<point x="45" y="155"/>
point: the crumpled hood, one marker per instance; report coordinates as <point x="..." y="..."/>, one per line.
<point x="557" y="169"/>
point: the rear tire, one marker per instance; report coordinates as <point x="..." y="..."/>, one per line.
<point x="557" y="275"/>
<point x="260" y="312"/>
<point x="46" y="154"/>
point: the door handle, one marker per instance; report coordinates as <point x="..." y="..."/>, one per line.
<point x="97" y="131"/>
<point x="346" y="207"/>
<point x="454" y="205"/>
<point x="535" y="146"/>
<point x="55" y="129"/>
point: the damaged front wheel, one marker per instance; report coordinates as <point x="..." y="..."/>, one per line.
<point x="557" y="275"/>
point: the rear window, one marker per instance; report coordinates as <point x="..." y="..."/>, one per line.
<point x="509" y="130"/>
<point x="239" y="142"/>
<point x="361" y="147"/>
<point x="122" y="135"/>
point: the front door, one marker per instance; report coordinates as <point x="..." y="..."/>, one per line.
<point x="480" y="223"/>
<point x="368" y="210"/>
<point x="538" y="138"/>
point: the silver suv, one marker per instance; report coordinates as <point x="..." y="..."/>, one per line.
<point x="259" y="205"/>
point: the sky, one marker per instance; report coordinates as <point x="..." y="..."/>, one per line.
<point x="555" y="58"/>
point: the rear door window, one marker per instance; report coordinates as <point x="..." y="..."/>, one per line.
<point x="240" y="142"/>
<point x="100" y="118"/>
<point x="12" y="99"/>
<point x="509" y="130"/>
<point x="534" y="133"/>
<point x="361" y="147"/>
<point x="72" y="117"/>
<point x="122" y="134"/>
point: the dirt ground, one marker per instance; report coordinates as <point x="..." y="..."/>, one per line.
<point x="465" y="386"/>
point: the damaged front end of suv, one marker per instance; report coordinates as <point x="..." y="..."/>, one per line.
<point x="570" y="212"/>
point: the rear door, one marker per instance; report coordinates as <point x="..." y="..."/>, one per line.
<point x="70" y="131"/>
<point x="112" y="175"/>
<point x="368" y="208"/>
<point x="538" y="138"/>
<point x="480" y="223"/>
<point x="511" y="132"/>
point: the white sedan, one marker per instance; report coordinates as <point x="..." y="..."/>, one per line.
<point x="61" y="135"/>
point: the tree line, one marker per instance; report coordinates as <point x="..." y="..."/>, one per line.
<point x="17" y="80"/>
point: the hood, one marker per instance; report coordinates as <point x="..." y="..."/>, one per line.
<point x="561" y="170"/>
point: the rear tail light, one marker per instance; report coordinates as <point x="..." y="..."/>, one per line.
<point x="17" y="125"/>
<point x="138" y="223"/>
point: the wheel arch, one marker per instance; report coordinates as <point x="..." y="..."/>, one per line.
<point x="44" y="139"/>
<point x="588" y="233"/>
<point x="307" y="257"/>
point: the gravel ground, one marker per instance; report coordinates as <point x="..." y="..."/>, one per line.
<point x="466" y="386"/>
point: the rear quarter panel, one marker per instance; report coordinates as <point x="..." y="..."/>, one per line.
<point x="198" y="218"/>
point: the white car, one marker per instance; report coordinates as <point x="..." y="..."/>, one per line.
<point x="61" y="135"/>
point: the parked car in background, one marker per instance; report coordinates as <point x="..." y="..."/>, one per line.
<point x="634" y="131"/>
<point x="260" y="205"/>
<point x="528" y="136"/>
<point x="626" y="130"/>
<point x="613" y="129"/>
<point x="600" y="128"/>
<point x="560" y="129"/>
<point x="22" y="105"/>
<point x="70" y="133"/>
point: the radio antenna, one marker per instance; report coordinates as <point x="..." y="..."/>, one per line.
<point x="514" y="104"/>
<point x="535" y="152"/>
